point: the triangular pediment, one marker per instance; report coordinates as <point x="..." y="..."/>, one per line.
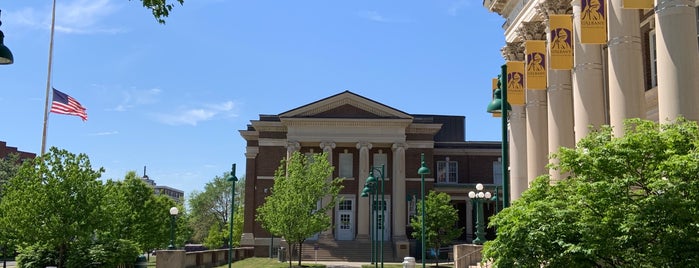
<point x="345" y="105"/>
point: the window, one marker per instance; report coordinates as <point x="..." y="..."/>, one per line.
<point x="497" y="172"/>
<point x="346" y="167"/>
<point x="381" y="159"/>
<point x="447" y="171"/>
<point x="653" y="58"/>
<point x="412" y="206"/>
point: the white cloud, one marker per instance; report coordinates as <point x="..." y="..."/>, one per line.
<point x="373" y="16"/>
<point x="72" y="17"/>
<point x="195" y="115"/>
<point x="105" y="133"/>
<point x="458" y="5"/>
<point x="133" y="98"/>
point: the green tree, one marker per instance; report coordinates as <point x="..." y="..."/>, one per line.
<point x="136" y="213"/>
<point x="440" y="225"/>
<point x="630" y="201"/>
<point x="294" y="208"/>
<point x="54" y="201"/>
<point x="160" y="8"/>
<point x="8" y="168"/>
<point x="210" y="211"/>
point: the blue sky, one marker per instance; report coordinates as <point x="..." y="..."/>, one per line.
<point x="173" y="97"/>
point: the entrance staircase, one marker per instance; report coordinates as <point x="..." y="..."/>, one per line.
<point x="349" y="251"/>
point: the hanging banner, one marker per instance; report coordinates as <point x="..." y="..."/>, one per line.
<point x="515" y="82"/>
<point x="637" y="4"/>
<point x="561" y="45"/>
<point x="593" y="22"/>
<point x="535" y="77"/>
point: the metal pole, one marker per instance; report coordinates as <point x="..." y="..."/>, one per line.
<point x="172" y="233"/>
<point x="371" y="228"/>
<point x="233" y="179"/>
<point x="422" y="222"/>
<point x="505" y="147"/>
<point x="383" y="214"/>
<point x="376" y="221"/>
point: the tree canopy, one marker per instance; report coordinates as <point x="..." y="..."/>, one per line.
<point x="294" y="209"/>
<point x="630" y="201"/>
<point x="441" y="219"/>
<point x="210" y="212"/>
<point x="160" y="8"/>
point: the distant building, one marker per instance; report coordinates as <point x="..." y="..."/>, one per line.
<point x="175" y="194"/>
<point x="6" y="151"/>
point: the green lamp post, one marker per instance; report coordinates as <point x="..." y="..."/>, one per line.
<point x="423" y="170"/>
<point x="233" y="179"/>
<point x="5" y="53"/>
<point x="368" y="191"/>
<point x="478" y="198"/>
<point x="381" y="206"/>
<point x="173" y="214"/>
<point x="496" y="107"/>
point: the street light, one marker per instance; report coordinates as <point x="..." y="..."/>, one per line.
<point x="5" y="53"/>
<point x="173" y="214"/>
<point x="231" y="178"/>
<point x="496" y="107"/>
<point x="423" y="170"/>
<point x="371" y="182"/>
<point x="478" y="199"/>
<point x="369" y="191"/>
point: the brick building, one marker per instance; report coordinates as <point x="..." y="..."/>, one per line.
<point x="359" y="134"/>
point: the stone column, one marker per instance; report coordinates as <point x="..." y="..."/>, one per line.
<point x="363" y="202"/>
<point x="678" y="60"/>
<point x="398" y="192"/>
<point x="589" y="102"/>
<point x="248" y="237"/>
<point x="560" y="99"/>
<point x="328" y="147"/>
<point x="291" y="147"/>
<point x="625" y="65"/>
<point x="517" y="130"/>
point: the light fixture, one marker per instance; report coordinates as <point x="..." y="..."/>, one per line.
<point x="5" y="53"/>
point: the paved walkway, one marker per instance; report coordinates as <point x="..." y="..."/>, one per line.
<point x="330" y="264"/>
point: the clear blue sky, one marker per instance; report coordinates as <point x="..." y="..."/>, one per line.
<point x="173" y="97"/>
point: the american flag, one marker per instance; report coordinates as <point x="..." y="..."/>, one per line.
<point x="64" y="104"/>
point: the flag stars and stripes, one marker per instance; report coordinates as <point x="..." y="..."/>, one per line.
<point x="64" y="104"/>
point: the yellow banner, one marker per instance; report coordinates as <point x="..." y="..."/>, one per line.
<point x="515" y="82"/>
<point x="535" y="51"/>
<point x="593" y="22"/>
<point x="637" y="4"/>
<point x="561" y="45"/>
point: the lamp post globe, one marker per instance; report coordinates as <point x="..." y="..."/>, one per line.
<point x="477" y="198"/>
<point x="173" y="214"/>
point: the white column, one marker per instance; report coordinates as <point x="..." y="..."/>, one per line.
<point x="537" y="134"/>
<point x="678" y="59"/>
<point x="398" y="192"/>
<point x="626" y="88"/>
<point x="363" y="202"/>
<point x="560" y="114"/>
<point x="328" y="147"/>
<point x="518" y="152"/>
<point x="588" y="82"/>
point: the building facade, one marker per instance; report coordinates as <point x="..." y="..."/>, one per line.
<point x="360" y="135"/>
<point x="647" y="68"/>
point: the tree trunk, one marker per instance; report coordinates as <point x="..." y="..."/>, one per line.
<point x="300" y="252"/>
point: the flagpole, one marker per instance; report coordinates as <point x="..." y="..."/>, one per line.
<point x="48" y="80"/>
